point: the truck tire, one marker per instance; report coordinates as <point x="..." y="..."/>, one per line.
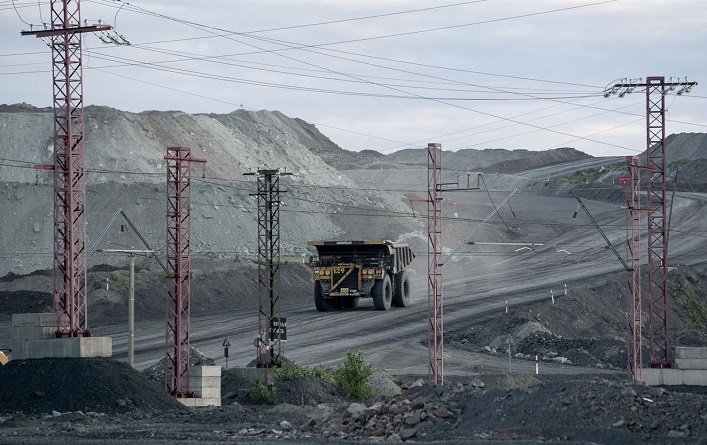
<point x="350" y="302"/>
<point x="402" y="290"/>
<point x="321" y="303"/>
<point x="382" y="294"/>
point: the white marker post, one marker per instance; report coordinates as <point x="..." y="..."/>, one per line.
<point x="565" y="289"/>
<point x="107" y="283"/>
<point x="506" y="306"/>
<point x="536" y="365"/>
<point x="552" y="296"/>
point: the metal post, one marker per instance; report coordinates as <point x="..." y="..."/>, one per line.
<point x="633" y="254"/>
<point x="435" y="342"/>
<point x="131" y="296"/>
<point x="657" y="245"/>
<point x="131" y="314"/>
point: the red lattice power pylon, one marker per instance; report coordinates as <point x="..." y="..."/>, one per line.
<point x="633" y="255"/>
<point x="435" y="304"/>
<point x="656" y="90"/>
<point x="178" y="280"/>
<point x="69" y="177"/>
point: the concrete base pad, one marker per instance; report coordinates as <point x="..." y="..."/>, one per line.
<point x="250" y="373"/>
<point x="77" y="347"/>
<point x="672" y="376"/>
<point x="199" y="402"/>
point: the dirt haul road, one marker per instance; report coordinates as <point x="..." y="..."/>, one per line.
<point x="474" y="285"/>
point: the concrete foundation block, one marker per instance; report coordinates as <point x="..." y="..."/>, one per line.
<point x="206" y="382"/>
<point x="80" y="347"/>
<point x="673" y="376"/>
<point x="39" y="319"/>
<point x="33" y="332"/>
<point x="683" y="352"/>
<point x="208" y="393"/>
<point x="200" y="402"/>
<point x="691" y="363"/>
<point x="205" y="371"/>
<point x="250" y="373"/>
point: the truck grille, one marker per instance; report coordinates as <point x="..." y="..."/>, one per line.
<point x="351" y="282"/>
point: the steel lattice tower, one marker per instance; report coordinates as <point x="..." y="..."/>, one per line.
<point x="656" y="90"/>
<point x="657" y="241"/>
<point x="178" y="279"/>
<point x="69" y="177"/>
<point x="269" y="268"/>
<point x="435" y="304"/>
<point x="633" y="254"/>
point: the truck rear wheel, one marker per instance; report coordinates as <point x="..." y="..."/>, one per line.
<point x="382" y="294"/>
<point x="402" y="289"/>
<point x="321" y="303"/>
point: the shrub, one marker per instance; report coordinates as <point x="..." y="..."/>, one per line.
<point x="320" y="373"/>
<point x="291" y="372"/>
<point x="262" y="394"/>
<point x="352" y="376"/>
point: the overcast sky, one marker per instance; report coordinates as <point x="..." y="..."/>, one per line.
<point x="387" y="74"/>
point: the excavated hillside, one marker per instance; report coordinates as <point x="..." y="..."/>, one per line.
<point x="126" y="169"/>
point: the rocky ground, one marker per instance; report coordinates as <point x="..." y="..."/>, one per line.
<point x="92" y="400"/>
<point x="39" y="404"/>
<point x="587" y="327"/>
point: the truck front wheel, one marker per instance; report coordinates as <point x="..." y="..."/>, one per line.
<point x="321" y="303"/>
<point x="382" y="294"/>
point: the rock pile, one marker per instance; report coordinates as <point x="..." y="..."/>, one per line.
<point x="395" y="419"/>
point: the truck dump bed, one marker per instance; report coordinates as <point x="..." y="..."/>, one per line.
<point x="373" y="253"/>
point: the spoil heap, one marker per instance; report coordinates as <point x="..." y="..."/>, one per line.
<point x="90" y="385"/>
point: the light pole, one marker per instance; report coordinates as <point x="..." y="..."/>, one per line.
<point x="131" y="298"/>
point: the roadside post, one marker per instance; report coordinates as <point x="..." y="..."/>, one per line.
<point x="226" y="344"/>
<point x="506" y="306"/>
<point x="510" y="366"/>
<point x="536" y="365"/>
<point x="552" y="296"/>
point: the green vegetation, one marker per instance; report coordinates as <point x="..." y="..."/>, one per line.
<point x="678" y="163"/>
<point x="320" y="373"/>
<point x="262" y="394"/>
<point x="352" y="376"/>
<point x="291" y="372"/>
<point x="696" y="310"/>
<point x="117" y="282"/>
<point x="590" y="174"/>
<point x="160" y="276"/>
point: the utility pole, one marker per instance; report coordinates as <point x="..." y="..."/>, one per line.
<point x="178" y="277"/>
<point x="69" y="178"/>
<point x="269" y="320"/>
<point x="131" y="297"/>
<point x="656" y="89"/>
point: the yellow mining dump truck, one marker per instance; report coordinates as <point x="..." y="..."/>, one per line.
<point x="349" y="270"/>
